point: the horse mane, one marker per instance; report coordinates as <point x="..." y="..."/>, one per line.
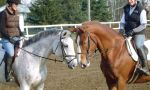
<point x="101" y="26"/>
<point x="90" y="22"/>
<point x="41" y="35"/>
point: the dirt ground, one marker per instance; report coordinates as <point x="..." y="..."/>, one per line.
<point x="60" y="77"/>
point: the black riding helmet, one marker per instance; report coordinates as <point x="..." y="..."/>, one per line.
<point x="13" y="1"/>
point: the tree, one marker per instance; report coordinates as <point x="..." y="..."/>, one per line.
<point x="56" y="11"/>
<point x="67" y="11"/>
<point x="46" y="12"/>
<point x="73" y="11"/>
<point x="99" y="10"/>
<point x="2" y="2"/>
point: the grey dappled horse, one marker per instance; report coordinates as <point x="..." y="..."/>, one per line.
<point x="30" y="68"/>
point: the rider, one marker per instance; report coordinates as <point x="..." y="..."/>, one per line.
<point x="10" y="33"/>
<point x="133" y="23"/>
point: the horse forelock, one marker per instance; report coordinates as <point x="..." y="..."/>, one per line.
<point x="41" y="35"/>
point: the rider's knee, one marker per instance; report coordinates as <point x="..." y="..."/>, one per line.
<point x="10" y="54"/>
<point x="139" y="46"/>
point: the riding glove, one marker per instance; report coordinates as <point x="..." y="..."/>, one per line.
<point x="122" y="31"/>
<point x="130" y="33"/>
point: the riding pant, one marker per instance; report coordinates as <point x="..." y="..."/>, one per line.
<point x="139" y="40"/>
<point x="8" y="47"/>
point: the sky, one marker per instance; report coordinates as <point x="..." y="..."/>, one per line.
<point x="27" y="2"/>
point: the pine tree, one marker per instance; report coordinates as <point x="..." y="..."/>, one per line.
<point x="99" y="10"/>
<point x="73" y="11"/>
<point x="57" y="11"/>
<point x="46" y="12"/>
<point x="2" y="2"/>
<point x="67" y="11"/>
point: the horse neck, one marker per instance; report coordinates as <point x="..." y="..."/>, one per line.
<point x="104" y="39"/>
<point x="108" y="41"/>
<point x="42" y="47"/>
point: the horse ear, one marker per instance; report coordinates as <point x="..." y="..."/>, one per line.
<point x="73" y="29"/>
<point x="77" y="30"/>
<point x="81" y="30"/>
<point x="66" y="34"/>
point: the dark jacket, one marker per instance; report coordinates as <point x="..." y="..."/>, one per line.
<point x="9" y="24"/>
<point x="133" y="20"/>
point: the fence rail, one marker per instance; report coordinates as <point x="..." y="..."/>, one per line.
<point x="114" y="25"/>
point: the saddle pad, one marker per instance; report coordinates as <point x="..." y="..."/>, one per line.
<point x="147" y="45"/>
<point x="131" y="50"/>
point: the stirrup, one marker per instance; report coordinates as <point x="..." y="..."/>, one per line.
<point x="9" y="77"/>
<point x="143" y="71"/>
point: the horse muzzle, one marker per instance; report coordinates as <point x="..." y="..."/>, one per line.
<point x="73" y="63"/>
<point x="84" y="65"/>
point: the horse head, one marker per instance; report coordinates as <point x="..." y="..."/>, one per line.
<point x="86" y="45"/>
<point x="65" y="48"/>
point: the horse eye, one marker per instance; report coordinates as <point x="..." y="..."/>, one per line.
<point x="66" y="46"/>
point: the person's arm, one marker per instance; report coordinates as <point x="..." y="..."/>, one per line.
<point x="143" y="21"/>
<point x="2" y="24"/>
<point x="122" y="24"/>
<point x="21" y="25"/>
<point x="21" y="33"/>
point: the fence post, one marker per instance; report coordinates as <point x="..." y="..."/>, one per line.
<point x="27" y="32"/>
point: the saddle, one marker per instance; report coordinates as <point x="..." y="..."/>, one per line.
<point x="133" y="53"/>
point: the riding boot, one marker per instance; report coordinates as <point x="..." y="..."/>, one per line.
<point x="8" y="67"/>
<point x="144" y="63"/>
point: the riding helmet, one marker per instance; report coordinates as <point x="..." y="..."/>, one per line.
<point x="13" y="1"/>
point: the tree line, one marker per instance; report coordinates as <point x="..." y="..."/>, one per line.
<point x="67" y="11"/>
<point x="73" y="11"/>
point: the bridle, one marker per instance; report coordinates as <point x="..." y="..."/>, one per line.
<point x="88" y="49"/>
<point x="63" y="52"/>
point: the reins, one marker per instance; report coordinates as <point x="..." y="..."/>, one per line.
<point x="41" y="56"/>
<point x="55" y="60"/>
<point x="36" y="54"/>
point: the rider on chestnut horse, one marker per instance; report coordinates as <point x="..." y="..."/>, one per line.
<point x="133" y="23"/>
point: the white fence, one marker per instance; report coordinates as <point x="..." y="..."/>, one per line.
<point x="28" y="29"/>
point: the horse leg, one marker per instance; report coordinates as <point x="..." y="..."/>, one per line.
<point x="112" y="84"/>
<point x="121" y="84"/>
<point x="40" y="87"/>
<point x="24" y="87"/>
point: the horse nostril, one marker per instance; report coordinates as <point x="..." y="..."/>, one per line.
<point x="83" y="66"/>
<point x="70" y="67"/>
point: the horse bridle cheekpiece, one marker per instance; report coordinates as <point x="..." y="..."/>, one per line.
<point x="88" y="49"/>
<point x="63" y="49"/>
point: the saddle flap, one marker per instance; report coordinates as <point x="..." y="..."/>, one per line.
<point x="147" y="46"/>
<point x="130" y="48"/>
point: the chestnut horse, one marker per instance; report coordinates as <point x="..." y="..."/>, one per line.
<point x="116" y="64"/>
